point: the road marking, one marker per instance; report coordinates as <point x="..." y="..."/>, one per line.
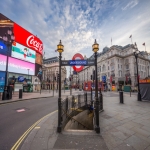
<point x="37" y="127"/>
<point x="17" y="144"/>
<point x="20" y="110"/>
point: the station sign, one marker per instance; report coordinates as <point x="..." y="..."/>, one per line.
<point x="77" y="62"/>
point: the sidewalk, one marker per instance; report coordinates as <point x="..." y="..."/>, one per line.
<point x="35" y="95"/>
<point x="123" y="127"/>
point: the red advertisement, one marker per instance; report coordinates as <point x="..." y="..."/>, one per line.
<point x="27" y="39"/>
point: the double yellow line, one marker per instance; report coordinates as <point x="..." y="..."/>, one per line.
<point x="17" y="144"/>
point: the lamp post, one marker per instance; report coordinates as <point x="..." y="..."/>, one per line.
<point x="136" y="53"/>
<point x="60" y="49"/>
<point x="95" y="48"/>
<point x="8" y="39"/>
<point x="28" y="74"/>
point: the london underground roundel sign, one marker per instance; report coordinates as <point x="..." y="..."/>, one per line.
<point x="77" y="56"/>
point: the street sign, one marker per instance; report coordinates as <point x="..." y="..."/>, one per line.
<point x="104" y="78"/>
<point x="65" y="63"/>
<point x="78" y="56"/>
<point x="90" y="62"/>
<point x="77" y="63"/>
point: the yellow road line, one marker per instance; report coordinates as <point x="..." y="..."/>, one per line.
<point x="17" y="144"/>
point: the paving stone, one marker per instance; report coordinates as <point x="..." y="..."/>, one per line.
<point x="146" y="128"/>
<point x="132" y="124"/>
<point x="126" y="131"/>
<point x="124" y="146"/>
<point x="87" y="142"/>
<point x="119" y="134"/>
<point x="111" y="141"/>
<point x="137" y="143"/>
<point x="141" y="131"/>
<point x="148" y="148"/>
<point x="143" y="137"/>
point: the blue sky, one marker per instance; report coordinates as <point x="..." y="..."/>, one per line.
<point x="78" y="22"/>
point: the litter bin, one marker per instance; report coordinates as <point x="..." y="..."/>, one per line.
<point x="20" y="93"/>
<point x="121" y="97"/>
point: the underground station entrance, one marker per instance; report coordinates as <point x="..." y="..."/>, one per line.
<point x="79" y="112"/>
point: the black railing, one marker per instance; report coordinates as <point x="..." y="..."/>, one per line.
<point x="73" y="105"/>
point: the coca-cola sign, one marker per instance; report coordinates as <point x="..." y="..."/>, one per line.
<point x="33" y="43"/>
<point x="25" y="38"/>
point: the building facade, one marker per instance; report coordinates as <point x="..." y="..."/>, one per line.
<point x="118" y="64"/>
<point x="51" y="71"/>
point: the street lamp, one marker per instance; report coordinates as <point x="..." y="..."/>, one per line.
<point x="136" y="53"/>
<point x="8" y="39"/>
<point x="60" y="49"/>
<point x="95" y="48"/>
<point x="28" y="74"/>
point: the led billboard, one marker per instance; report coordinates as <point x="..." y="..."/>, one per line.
<point x="4" y="49"/>
<point x="2" y="81"/>
<point x="16" y="65"/>
<point x="24" y="53"/>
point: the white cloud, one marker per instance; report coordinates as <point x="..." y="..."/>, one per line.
<point x="131" y="4"/>
<point x="78" y="23"/>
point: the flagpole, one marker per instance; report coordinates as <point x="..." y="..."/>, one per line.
<point x="131" y="40"/>
<point x="111" y="41"/>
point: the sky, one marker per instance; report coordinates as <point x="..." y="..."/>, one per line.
<point x="79" y="22"/>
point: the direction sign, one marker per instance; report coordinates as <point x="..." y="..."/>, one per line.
<point x="77" y="56"/>
<point x="104" y="78"/>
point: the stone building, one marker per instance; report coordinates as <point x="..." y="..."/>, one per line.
<point x="51" y="71"/>
<point x="118" y="64"/>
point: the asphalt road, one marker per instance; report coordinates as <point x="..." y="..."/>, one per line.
<point x="13" y="124"/>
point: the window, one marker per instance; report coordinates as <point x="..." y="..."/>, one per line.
<point x="118" y="60"/>
<point x="108" y="67"/>
<point x="127" y="66"/>
<point x="118" y="66"/>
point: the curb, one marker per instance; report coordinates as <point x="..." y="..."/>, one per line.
<point x="11" y="101"/>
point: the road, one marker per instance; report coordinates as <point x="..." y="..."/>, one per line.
<point x="13" y="124"/>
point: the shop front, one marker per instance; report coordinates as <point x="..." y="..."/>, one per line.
<point x="19" y="81"/>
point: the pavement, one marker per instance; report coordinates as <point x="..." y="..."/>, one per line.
<point x="34" y="95"/>
<point x="122" y="127"/>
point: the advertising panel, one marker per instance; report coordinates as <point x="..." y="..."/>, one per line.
<point x="16" y="65"/>
<point x="38" y="71"/>
<point x="4" y="49"/>
<point x="25" y="38"/>
<point x="2" y="62"/>
<point x="38" y="59"/>
<point x="21" y="52"/>
<point x="2" y="81"/>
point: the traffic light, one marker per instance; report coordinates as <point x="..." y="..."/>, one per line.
<point x="57" y="77"/>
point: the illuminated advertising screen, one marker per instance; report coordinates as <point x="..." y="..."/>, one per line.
<point x="2" y="62"/>
<point x="24" y="53"/>
<point x="4" y="49"/>
<point x="2" y="81"/>
<point x="16" y="65"/>
<point x="27" y="39"/>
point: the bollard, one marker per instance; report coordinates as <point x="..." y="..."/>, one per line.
<point x="91" y="97"/>
<point x="121" y="97"/>
<point x="20" y="93"/>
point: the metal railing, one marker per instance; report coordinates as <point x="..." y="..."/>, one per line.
<point x="73" y="105"/>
